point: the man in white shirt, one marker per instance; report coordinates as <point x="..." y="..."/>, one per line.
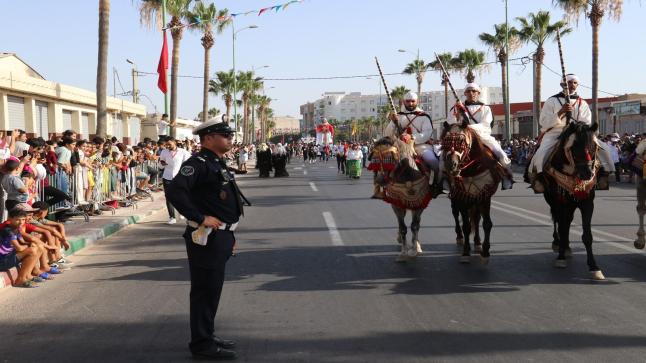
<point x="162" y="127"/>
<point x="171" y="158"/>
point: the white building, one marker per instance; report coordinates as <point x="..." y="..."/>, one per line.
<point x="44" y="108"/>
<point x="348" y="106"/>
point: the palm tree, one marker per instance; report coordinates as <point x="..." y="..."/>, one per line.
<point x="398" y="93"/>
<point x="536" y="29"/>
<point x="497" y="42"/>
<point x="102" y="69"/>
<point x="223" y="85"/>
<point x="178" y="10"/>
<point x="263" y="104"/>
<point x="447" y="60"/>
<point x="595" y="10"/>
<point x="208" y="17"/>
<point x="248" y="84"/>
<point x="470" y="61"/>
<point x="417" y="67"/>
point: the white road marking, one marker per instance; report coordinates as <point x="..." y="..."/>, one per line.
<point x="298" y="168"/>
<point x="547" y="221"/>
<point x="304" y="172"/>
<point x="313" y="186"/>
<point x="331" y="226"/>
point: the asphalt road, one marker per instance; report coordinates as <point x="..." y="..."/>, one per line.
<point x="315" y="280"/>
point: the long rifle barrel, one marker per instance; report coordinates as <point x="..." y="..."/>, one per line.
<point x="465" y="111"/>
<point x="390" y="99"/>
<point x="566" y="90"/>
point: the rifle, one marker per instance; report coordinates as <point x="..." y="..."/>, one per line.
<point x="390" y="99"/>
<point x="466" y="114"/>
<point x="566" y="90"/>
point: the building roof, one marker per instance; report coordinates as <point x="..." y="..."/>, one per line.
<point x="13" y="55"/>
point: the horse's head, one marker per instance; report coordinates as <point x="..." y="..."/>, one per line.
<point x="456" y="144"/>
<point x="580" y="148"/>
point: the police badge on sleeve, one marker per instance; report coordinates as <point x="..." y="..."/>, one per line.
<point x="187" y="170"/>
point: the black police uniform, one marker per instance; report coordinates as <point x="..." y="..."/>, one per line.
<point x="204" y="187"/>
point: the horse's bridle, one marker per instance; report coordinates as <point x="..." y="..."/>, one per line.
<point x="457" y="142"/>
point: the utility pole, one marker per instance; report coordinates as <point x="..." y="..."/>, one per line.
<point x="166" y="80"/>
<point x="506" y="100"/>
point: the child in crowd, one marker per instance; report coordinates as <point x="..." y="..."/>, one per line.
<point x="15" y="252"/>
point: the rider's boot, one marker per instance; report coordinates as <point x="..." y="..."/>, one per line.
<point x="378" y="192"/>
<point x="538" y="183"/>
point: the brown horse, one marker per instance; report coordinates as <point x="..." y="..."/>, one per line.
<point x="474" y="173"/>
<point x="638" y="167"/>
<point x="405" y="188"/>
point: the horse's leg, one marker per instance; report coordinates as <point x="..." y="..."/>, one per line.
<point x="565" y="214"/>
<point x="587" y="209"/>
<point x="487" y="225"/>
<point x="466" y="229"/>
<point x="459" y="239"/>
<point x="553" y="212"/>
<point x="401" y="234"/>
<point x="641" y="210"/>
<point x="414" y="227"/>
<point x="475" y="228"/>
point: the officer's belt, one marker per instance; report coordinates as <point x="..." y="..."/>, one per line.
<point x="224" y="226"/>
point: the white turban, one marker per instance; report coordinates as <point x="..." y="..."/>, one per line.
<point x="410" y="96"/>
<point x="571" y="77"/>
<point x="473" y="86"/>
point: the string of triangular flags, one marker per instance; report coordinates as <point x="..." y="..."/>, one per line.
<point x="276" y="8"/>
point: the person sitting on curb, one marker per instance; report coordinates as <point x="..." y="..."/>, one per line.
<point x="48" y="234"/>
<point x="55" y="228"/>
<point x="15" y="252"/>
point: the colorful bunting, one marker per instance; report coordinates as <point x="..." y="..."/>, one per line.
<point x="261" y="11"/>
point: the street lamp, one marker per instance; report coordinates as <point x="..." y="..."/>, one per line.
<point x="235" y="91"/>
<point x="135" y="90"/>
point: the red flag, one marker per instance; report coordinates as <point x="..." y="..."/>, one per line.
<point x="262" y="11"/>
<point x="163" y="67"/>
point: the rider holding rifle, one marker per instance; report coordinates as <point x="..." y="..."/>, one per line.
<point x="480" y="119"/>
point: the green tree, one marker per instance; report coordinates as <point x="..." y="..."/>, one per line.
<point x="537" y="28"/>
<point x="207" y="18"/>
<point x="470" y="62"/>
<point x="102" y="69"/>
<point x="497" y="42"/>
<point x="223" y="85"/>
<point x="447" y="60"/>
<point x="398" y="93"/>
<point x="594" y="10"/>
<point x="248" y="84"/>
<point x="417" y="67"/>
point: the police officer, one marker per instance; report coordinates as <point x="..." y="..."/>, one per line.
<point x="205" y="192"/>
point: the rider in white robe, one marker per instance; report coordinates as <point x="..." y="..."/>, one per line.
<point x="416" y="125"/>
<point x="480" y="120"/>
<point x="553" y="119"/>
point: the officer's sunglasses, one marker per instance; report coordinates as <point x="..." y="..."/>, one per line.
<point x="227" y="136"/>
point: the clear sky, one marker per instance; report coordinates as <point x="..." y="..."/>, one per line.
<point x="312" y="39"/>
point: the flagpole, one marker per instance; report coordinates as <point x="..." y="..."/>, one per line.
<point x="164" y="35"/>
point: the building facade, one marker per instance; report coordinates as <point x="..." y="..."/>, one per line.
<point x="46" y="109"/>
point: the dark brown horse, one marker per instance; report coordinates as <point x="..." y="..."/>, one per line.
<point x="570" y="177"/>
<point x="474" y="173"/>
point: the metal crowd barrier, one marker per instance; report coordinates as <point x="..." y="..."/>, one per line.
<point x="103" y="187"/>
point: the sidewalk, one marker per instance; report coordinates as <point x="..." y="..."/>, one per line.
<point x="83" y="234"/>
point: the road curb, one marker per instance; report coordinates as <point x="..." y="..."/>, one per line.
<point x="89" y="238"/>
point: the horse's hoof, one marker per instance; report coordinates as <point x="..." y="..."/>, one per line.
<point x="419" y="248"/>
<point x="478" y="248"/>
<point x="560" y="263"/>
<point x="459" y="241"/>
<point x="465" y="259"/>
<point x="639" y="244"/>
<point x="412" y="253"/>
<point x="597" y="275"/>
<point x="568" y="253"/>
<point x="484" y="260"/>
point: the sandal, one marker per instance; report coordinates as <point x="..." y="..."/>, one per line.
<point x="46" y="276"/>
<point x="27" y="284"/>
<point x="38" y="279"/>
<point x="54" y="270"/>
